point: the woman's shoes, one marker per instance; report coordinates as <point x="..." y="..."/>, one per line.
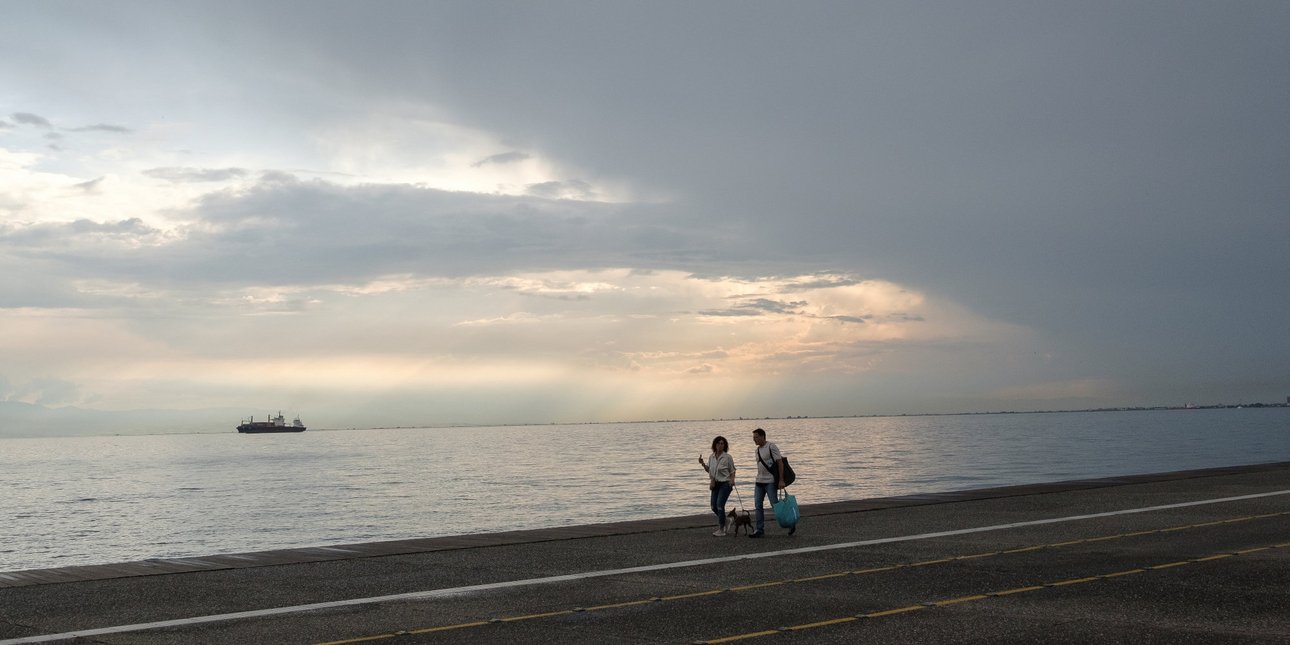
<point x="721" y="532"/>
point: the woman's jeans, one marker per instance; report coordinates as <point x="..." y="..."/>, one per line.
<point x="719" y="496"/>
<point x="771" y="490"/>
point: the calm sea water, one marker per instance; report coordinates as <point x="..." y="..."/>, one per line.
<point x="93" y="500"/>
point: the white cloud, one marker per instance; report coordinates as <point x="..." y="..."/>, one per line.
<point x="883" y="204"/>
<point x="643" y="331"/>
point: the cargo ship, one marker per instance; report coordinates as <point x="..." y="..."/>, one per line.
<point x="274" y="424"/>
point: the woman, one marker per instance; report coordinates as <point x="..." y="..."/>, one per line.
<point x="721" y="479"/>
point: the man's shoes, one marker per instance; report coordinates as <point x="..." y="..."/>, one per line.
<point x="792" y="529"/>
<point x="719" y="532"/>
<point x="757" y="534"/>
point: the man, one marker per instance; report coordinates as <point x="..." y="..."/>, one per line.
<point x="770" y="479"/>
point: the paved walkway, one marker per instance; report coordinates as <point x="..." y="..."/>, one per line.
<point x="1198" y="556"/>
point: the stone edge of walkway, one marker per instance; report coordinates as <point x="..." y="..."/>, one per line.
<point x="162" y="566"/>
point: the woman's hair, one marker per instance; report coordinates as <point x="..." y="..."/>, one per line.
<point x="722" y="440"/>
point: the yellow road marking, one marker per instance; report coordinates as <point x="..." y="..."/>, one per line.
<point x="823" y="623"/>
<point x="731" y="639"/>
<point x="1104" y="538"/>
<point x="893" y="567"/>
<point x="955" y="601"/>
<point x="823" y="577"/>
<point x="363" y="639"/>
<point x="1138" y="533"/>
<point x="878" y="569"/>
<point x="925" y="563"/>
<point x="964" y="599"/>
<point x="1009" y="592"/>
<point x="1065" y="543"/>
<point x="759" y="585"/>
<point x="1257" y="548"/>
<point x="512" y="619"/>
<point x="893" y="612"/>
<point x="1117" y="574"/>
<point x="1218" y="556"/>
<point x="1024" y="549"/>
<point x="1073" y="581"/>
<point x="622" y="604"/>
<point x="428" y="630"/>
<point x="695" y="594"/>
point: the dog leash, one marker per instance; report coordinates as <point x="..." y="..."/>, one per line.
<point x="739" y="497"/>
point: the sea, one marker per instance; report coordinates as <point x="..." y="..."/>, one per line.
<point x="102" y="499"/>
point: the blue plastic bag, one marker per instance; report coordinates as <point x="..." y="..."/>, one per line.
<point x="786" y="511"/>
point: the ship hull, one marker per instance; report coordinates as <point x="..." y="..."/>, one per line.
<point x="272" y="424"/>
<point x="254" y="430"/>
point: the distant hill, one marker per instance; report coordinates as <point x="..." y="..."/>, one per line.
<point x="27" y="420"/>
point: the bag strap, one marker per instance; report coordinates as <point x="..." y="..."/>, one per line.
<point x="770" y="468"/>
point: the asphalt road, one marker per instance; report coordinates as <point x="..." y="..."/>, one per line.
<point x="1201" y="558"/>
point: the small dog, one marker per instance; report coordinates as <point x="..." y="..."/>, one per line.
<point x="738" y="519"/>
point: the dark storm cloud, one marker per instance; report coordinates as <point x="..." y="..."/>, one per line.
<point x="181" y="175"/>
<point x="730" y="313"/>
<point x="849" y="319"/>
<point x="1112" y="179"/>
<point x="277" y="176"/>
<point x="822" y="282"/>
<point x="287" y="231"/>
<point x="905" y="318"/>
<point x="55" y="235"/>
<point x="314" y="232"/>
<point x="570" y="189"/>
<point x="28" y="118"/>
<point x="502" y="158"/>
<point x="774" y="306"/>
<point x="91" y="185"/>
<point x="102" y="127"/>
<point x="758" y="307"/>
<point x="39" y="263"/>
<point x="1111" y="176"/>
<point x="762" y="306"/>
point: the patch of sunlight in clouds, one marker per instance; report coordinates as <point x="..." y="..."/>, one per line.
<point x="404" y="145"/>
<point x="602" y="344"/>
<point x="360" y="373"/>
<point x="103" y="185"/>
<point x="673" y="326"/>
<point x="155" y="174"/>
<point x="76" y="346"/>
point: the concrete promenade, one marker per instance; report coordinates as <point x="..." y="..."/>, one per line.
<point x="1198" y="556"/>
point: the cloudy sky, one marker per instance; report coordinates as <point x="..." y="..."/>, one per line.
<point x="462" y="212"/>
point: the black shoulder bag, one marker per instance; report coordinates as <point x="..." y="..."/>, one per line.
<point x="789" y="475"/>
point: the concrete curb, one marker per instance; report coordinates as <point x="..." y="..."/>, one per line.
<point x="154" y="567"/>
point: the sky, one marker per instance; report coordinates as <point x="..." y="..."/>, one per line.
<point x="405" y="213"/>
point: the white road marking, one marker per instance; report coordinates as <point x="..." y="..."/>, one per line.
<point x="436" y="593"/>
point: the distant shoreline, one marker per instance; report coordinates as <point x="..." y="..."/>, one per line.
<point x="1219" y="406"/>
<point x="176" y="419"/>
